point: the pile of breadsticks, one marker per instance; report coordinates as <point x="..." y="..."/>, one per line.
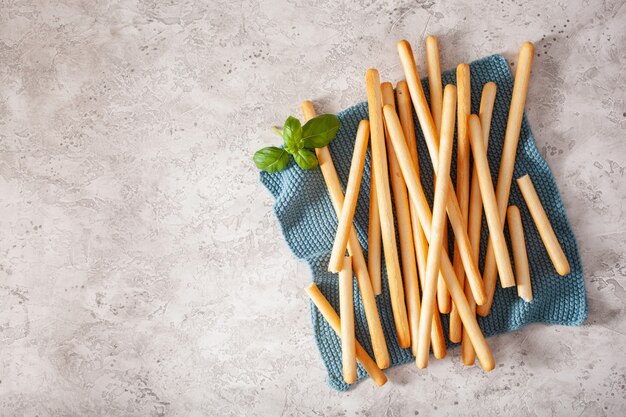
<point x="448" y="285"/>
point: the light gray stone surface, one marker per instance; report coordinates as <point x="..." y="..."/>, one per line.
<point x="142" y="272"/>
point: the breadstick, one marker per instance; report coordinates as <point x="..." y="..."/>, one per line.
<point x="505" y="173"/>
<point x="421" y="244"/>
<point x="476" y="210"/>
<point x="352" y="194"/>
<point x="436" y="96"/>
<point x="496" y="234"/>
<point x="331" y="178"/>
<point x="333" y="320"/>
<point x="464" y="99"/>
<point x="436" y="232"/>
<point x="474" y="223"/>
<point x="430" y="134"/>
<point x="373" y="237"/>
<point x="443" y="295"/>
<point x="518" y="243"/>
<point x="407" y="248"/>
<point x="416" y="194"/>
<point x="550" y="241"/>
<point x="435" y="86"/>
<point x="346" y="311"/>
<point x="383" y="193"/>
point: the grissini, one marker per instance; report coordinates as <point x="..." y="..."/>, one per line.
<point x="383" y="193"/>
<point x="403" y="217"/>
<point x="475" y="221"/>
<point x="346" y="311"/>
<point x="488" y="195"/>
<point x="331" y="178"/>
<point x="322" y="304"/>
<point x="373" y="238"/>
<point x="352" y="194"/>
<point x="520" y="257"/>
<point x="505" y="173"/>
<point x="430" y="135"/>
<point x="464" y="108"/>
<point x="436" y="231"/>
<point x="537" y="212"/>
<point x="435" y="88"/>
<point x="435" y="85"/>
<point x="405" y="111"/>
<point x="416" y="194"/>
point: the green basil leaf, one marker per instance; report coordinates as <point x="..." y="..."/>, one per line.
<point x="271" y="159"/>
<point x="305" y="159"/>
<point x="292" y="135"/>
<point x="320" y="131"/>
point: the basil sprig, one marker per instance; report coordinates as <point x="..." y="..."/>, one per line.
<point x="298" y="142"/>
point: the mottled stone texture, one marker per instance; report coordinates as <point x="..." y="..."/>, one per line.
<point x="142" y="272"/>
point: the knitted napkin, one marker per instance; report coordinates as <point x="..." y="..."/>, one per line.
<point x="308" y="222"/>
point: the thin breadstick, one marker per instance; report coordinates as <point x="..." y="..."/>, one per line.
<point x="436" y="232"/>
<point x="346" y="311"/>
<point x="405" y="112"/>
<point x="403" y="216"/>
<point x="435" y="88"/>
<point x="354" y="249"/>
<point x="373" y="238"/>
<point x="476" y="210"/>
<point x="505" y="173"/>
<point x="520" y="257"/>
<point x="464" y="108"/>
<point x="352" y="194"/>
<point x="430" y="135"/>
<point x="488" y="195"/>
<point x="474" y="223"/>
<point x="550" y="241"/>
<point x="396" y="292"/>
<point x="468" y="354"/>
<point x="416" y="193"/>
<point x="333" y="320"/>
<point x="443" y="295"/>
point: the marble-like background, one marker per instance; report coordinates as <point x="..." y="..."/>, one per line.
<point x="142" y="272"/>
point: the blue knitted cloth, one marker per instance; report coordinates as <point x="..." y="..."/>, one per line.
<point x="308" y="222"/>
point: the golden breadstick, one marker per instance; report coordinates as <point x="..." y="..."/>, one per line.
<point x="488" y="195"/>
<point x="346" y="311"/>
<point x="505" y="173"/>
<point x="518" y="243"/>
<point x="468" y="354"/>
<point x="379" y="156"/>
<point x="335" y="323"/>
<point x="416" y="193"/>
<point x="464" y="99"/>
<point x="405" y="111"/>
<point x="407" y="248"/>
<point x="550" y="241"/>
<point x="373" y="238"/>
<point x="421" y="244"/>
<point x="476" y="210"/>
<point x="354" y="248"/>
<point x="352" y="194"/>
<point x="436" y="232"/>
<point x="430" y="135"/>
<point x="434" y="79"/>
<point x="435" y="87"/>
<point x="474" y="222"/>
<point x="443" y="295"/>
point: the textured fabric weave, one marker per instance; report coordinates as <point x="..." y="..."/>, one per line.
<point x="308" y="222"/>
